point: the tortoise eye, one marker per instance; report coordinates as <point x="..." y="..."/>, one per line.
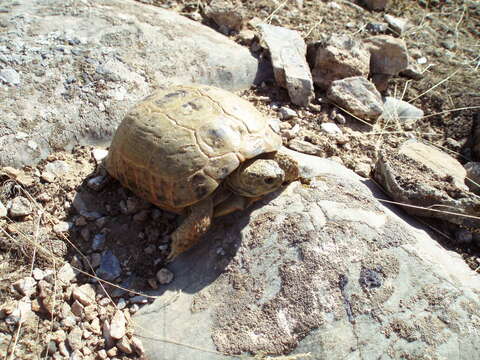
<point x="269" y="180"/>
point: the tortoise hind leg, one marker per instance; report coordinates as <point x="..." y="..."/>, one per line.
<point x="193" y="227"/>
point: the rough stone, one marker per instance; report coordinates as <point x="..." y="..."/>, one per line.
<point x="287" y="51"/>
<point x="287" y="113"/>
<point x="26" y="286"/>
<point x="99" y="155"/>
<point x="124" y="345"/>
<point x="138" y="346"/>
<point x="110" y="267"/>
<point x="38" y="274"/>
<point x="473" y="176"/>
<point x="305" y="147"/>
<point x="358" y="96"/>
<point x="67" y="274"/>
<point x="396" y="110"/>
<point x="398" y="25"/>
<point x="226" y="15"/>
<point x="20" y="206"/>
<point x="77" y="308"/>
<point x="48" y="177"/>
<point x="74" y="338"/>
<point x="363" y="169"/>
<point x="84" y="294"/>
<point x="109" y="342"/>
<point x="58" y="168"/>
<point x="127" y="50"/>
<point x="324" y="269"/>
<point x="98" y="242"/>
<point x="389" y="55"/>
<point x="97" y="183"/>
<point x="430" y="180"/>
<point x="164" y="276"/>
<point x="62" y="226"/>
<point x="375" y="4"/>
<point x="117" y="325"/>
<point x="340" y="57"/>
<point x="10" y="76"/>
<point x="331" y="128"/>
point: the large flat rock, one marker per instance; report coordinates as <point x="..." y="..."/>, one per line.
<point x="324" y="269"/>
<point x="69" y="70"/>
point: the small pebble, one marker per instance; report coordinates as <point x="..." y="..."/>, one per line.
<point x="67" y="274"/>
<point x="110" y="267"/>
<point x="95" y="260"/>
<point x="97" y="183"/>
<point x="121" y="304"/>
<point x="340" y="119"/>
<point x="62" y="226"/>
<point x="85" y="294"/>
<point x="331" y="128"/>
<point x="98" y="242"/>
<point x="117" y="325"/>
<point x="164" y="276"/>
<point x="26" y="286"/>
<point x="10" y="76"/>
<point x="20" y="206"/>
<point x="102" y="354"/>
<point x="124" y="345"/>
<point x="422" y="60"/>
<point x="287" y="113"/>
<point x="80" y="221"/>
<point x="58" y="167"/>
<point x="363" y="169"/>
<point x="38" y="274"/>
<point x="48" y="177"/>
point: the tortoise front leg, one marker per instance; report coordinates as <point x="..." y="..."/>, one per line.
<point x="193" y="227"/>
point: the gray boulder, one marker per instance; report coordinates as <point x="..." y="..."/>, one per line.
<point x="73" y="68"/>
<point x="340" y="57"/>
<point x="323" y="269"/>
<point x="358" y="96"/>
<point x="290" y="68"/>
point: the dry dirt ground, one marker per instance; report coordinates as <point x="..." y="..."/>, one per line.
<point x="446" y="33"/>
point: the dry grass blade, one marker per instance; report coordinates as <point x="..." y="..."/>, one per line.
<point x="269" y="17"/>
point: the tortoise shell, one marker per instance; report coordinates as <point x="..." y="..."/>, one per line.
<point x="176" y="146"/>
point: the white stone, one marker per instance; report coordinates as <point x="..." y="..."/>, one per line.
<point x="26" y="286"/>
<point x="62" y="226"/>
<point x="99" y="154"/>
<point x="117" y="325"/>
<point x="67" y="274"/>
<point x="331" y="128"/>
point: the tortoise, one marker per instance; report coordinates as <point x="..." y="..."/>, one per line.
<point x="199" y="151"/>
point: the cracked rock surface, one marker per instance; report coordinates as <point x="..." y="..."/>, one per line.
<point x="322" y="268"/>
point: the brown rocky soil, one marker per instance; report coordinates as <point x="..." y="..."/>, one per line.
<point x="446" y="32"/>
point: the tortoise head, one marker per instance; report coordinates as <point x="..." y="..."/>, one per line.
<point x="256" y="177"/>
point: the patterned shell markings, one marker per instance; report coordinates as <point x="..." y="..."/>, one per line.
<point x="176" y="146"/>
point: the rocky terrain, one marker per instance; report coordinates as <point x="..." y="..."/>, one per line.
<point x="373" y="91"/>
